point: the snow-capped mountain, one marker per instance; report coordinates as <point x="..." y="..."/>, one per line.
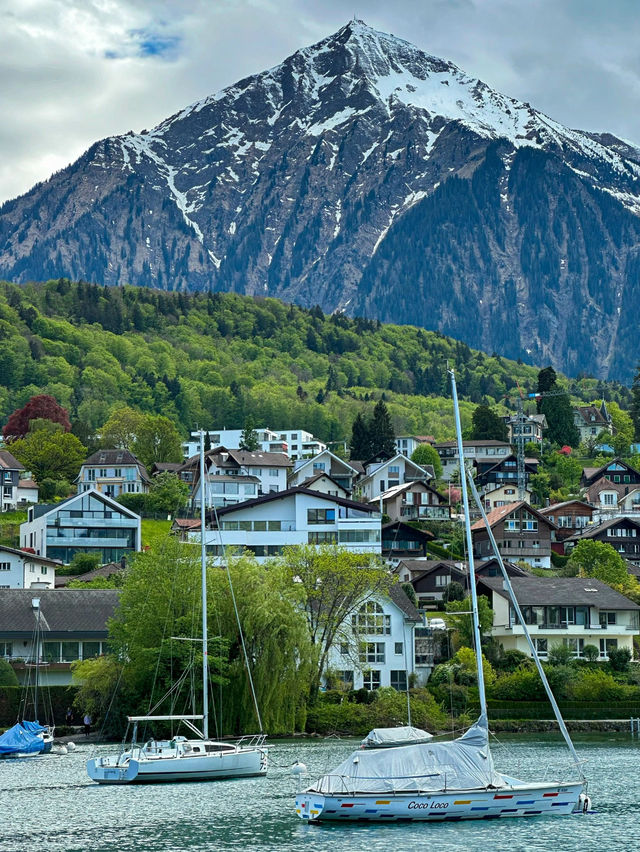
<point x="363" y="175"/>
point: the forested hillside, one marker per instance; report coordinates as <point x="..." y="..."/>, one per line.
<point x="215" y="359"/>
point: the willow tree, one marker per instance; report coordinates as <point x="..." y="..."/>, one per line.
<point x="332" y="584"/>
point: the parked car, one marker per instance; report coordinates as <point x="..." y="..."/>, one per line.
<point x="437" y="624"/>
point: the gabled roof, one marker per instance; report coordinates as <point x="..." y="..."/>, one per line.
<point x="425" y="535"/>
<point x="431" y="566"/>
<point x="388" y="461"/>
<point x="166" y="467"/>
<point x="302" y="463"/>
<point x="43" y="509"/>
<point x="186" y="523"/>
<point x="107" y="570"/>
<point x="497" y="514"/>
<point x="310" y="480"/>
<point x="9" y="462"/>
<point x="590" y="474"/>
<point x="591" y="414"/>
<point x="64" y="612"/>
<point x="401" y="600"/>
<point x="31" y="557"/>
<point x="289" y="492"/>
<point x="561" y="591"/>
<point x="261" y="459"/>
<point x="27" y="483"/>
<point x="594" y="531"/>
<point x="406" y="486"/>
<point x="555" y="506"/>
<point x="116" y="457"/>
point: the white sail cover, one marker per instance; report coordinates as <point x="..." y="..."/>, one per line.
<point x="387" y="737"/>
<point x="461" y="764"/>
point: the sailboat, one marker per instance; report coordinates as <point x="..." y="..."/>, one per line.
<point x="30" y="737"/>
<point x="179" y="758"/>
<point x="444" y="781"/>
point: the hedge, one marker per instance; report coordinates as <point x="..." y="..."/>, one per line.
<point x="570" y="709"/>
<point x="61" y="697"/>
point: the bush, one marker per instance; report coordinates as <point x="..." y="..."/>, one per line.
<point x="591" y="653"/>
<point x="521" y="685"/>
<point x="560" y="655"/>
<point x="598" y="686"/>
<point x="619" y="658"/>
<point x="512" y="660"/>
<point x="7" y="675"/>
<point x="562" y="679"/>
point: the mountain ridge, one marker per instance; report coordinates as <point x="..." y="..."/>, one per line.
<point x="290" y="182"/>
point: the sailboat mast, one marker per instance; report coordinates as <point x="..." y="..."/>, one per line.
<point x="472" y="571"/>
<point x="203" y="565"/>
<point x="35" y="691"/>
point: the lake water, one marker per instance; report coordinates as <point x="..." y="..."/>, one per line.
<point x="48" y="803"/>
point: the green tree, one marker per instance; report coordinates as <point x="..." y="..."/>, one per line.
<point x="557" y="408"/>
<point x="426" y="454"/>
<point x="7" y="675"/>
<point x="623" y="430"/>
<point x="601" y="561"/>
<point x="539" y="484"/>
<point x="54" y="455"/>
<point x="157" y="440"/>
<point x="249" y="438"/>
<point x="463" y="624"/>
<point x="121" y="429"/>
<point x="333" y="583"/>
<point x="360" y="445"/>
<point x="168" y="493"/>
<point x="383" y="439"/>
<point x="487" y="425"/>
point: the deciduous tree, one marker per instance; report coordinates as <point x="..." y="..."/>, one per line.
<point x="41" y="406"/>
<point x="426" y="454"/>
<point x="54" y="455"/>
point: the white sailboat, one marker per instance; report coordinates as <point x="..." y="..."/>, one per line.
<point x="443" y="781"/>
<point x="179" y="758"/>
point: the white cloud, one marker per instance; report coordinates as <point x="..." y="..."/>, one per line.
<point x="74" y="71"/>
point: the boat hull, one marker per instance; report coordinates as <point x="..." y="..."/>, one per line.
<point x="244" y="763"/>
<point x="553" y="799"/>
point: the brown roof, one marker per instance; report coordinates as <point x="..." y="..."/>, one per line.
<point x="555" y="506"/>
<point x="560" y="591"/>
<point x="116" y="457"/>
<point x="65" y="612"/>
<point x="107" y="570"/>
<point x="590" y="414"/>
<point x="187" y="523"/>
<point x="27" y="483"/>
<point x="9" y="462"/>
<point x="501" y="512"/>
<point x="402" y="601"/>
<point x="592" y="532"/>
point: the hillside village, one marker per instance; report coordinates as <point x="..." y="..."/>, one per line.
<point x="391" y="497"/>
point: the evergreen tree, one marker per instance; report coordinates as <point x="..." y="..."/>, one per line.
<point x="635" y="403"/>
<point x="487" y="425"/>
<point x="360" y="445"/>
<point x="383" y="439"/>
<point x="207" y="442"/>
<point x="557" y="409"/>
<point x="249" y="438"/>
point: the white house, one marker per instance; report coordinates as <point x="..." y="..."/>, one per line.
<point x="89" y="522"/>
<point x="296" y="443"/>
<point x="380" y="476"/>
<point x="20" y="569"/>
<point x="74" y="627"/>
<point x="10" y="470"/>
<point x="338" y="469"/>
<point x="297" y="516"/>
<point x="27" y="491"/>
<point x="113" y="472"/>
<point x="375" y="646"/>
<point x="573" y="611"/>
<point x="406" y="444"/>
<point x="475" y="452"/>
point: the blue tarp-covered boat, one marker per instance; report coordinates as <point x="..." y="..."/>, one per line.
<point x="23" y="738"/>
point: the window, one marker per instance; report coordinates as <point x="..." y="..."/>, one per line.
<point x="346" y="677"/>
<point x="398" y="680"/>
<point x="575" y="645"/>
<point x="117" y="472"/>
<point x="321" y="516"/>
<point x="359" y="536"/>
<point x="394" y="470"/>
<point x="512" y="525"/>
<point x="398" y="648"/>
<point x="541" y="647"/>
<point x="322" y="537"/>
<point x="90" y="474"/>
<point x="530" y="526"/>
<point x="371" y="679"/>
<point x="607" y="618"/>
<point x="442" y="580"/>
<point x="371" y="619"/>
<point x="607" y="645"/>
<point x="319" y="466"/>
<point x="90" y="649"/>
<point x="273" y="472"/>
<point x="344" y="648"/>
<point x="5" y="566"/>
<point x="102" y="473"/>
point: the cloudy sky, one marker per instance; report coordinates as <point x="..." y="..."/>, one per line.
<point x="73" y="71"/>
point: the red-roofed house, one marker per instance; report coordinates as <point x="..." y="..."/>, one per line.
<point x="521" y="533"/>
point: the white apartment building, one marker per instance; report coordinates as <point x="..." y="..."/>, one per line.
<point x="297" y="516"/>
<point x="296" y="443"/>
<point x="475" y="452"/>
<point x="375" y="645"/>
<point x="406" y="444"/>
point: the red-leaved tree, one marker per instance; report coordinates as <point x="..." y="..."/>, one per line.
<point x="42" y="407"/>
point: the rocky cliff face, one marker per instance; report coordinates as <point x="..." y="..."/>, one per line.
<point x="363" y="175"/>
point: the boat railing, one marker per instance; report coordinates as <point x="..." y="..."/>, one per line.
<point x="251" y="741"/>
<point x="350" y="784"/>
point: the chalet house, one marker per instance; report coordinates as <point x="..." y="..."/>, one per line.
<point x="233" y="476"/>
<point x="10" y="470"/>
<point x="521" y="533"/>
<point x="113" y="472"/>
<point x="570" y="517"/>
<point x="402" y="541"/>
<point x="590" y="420"/>
<point x="75" y="622"/>
<point x="381" y="475"/>
<point x="606" y="486"/>
<point x="413" y="501"/>
<point x="89" y="522"/>
<point x="561" y="610"/>
<point x="21" y="569"/>
<point x="621" y="533"/>
<point x="481" y="452"/>
<point x="430" y="578"/>
<point x="341" y="471"/>
<point x="375" y="646"/>
<point x="502" y="495"/>
<point x="532" y="427"/>
<point x="504" y="471"/>
<point x="267" y="525"/>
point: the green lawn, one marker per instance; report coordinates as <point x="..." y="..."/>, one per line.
<point x="154" y="532"/>
<point x="10" y="527"/>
